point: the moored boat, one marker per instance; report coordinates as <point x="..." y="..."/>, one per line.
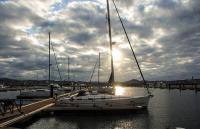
<point x="88" y="101"/>
<point x="95" y="100"/>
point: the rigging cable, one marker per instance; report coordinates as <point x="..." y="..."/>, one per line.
<point x="56" y="62"/>
<point x="93" y="71"/>
<point x="131" y="47"/>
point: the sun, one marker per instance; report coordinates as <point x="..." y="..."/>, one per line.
<point x="116" y="55"/>
<point x="61" y="49"/>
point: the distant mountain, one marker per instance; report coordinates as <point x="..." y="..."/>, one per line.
<point x="5" y="79"/>
<point x="132" y="82"/>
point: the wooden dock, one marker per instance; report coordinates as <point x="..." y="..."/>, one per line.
<point x="8" y="128"/>
<point x="29" y="110"/>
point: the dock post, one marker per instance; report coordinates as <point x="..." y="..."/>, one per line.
<point x="20" y="104"/>
<point x="195" y="88"/>
<point x="169" y="86"/>
<point x="183" y="87"/>
<point x="51" y="86"/>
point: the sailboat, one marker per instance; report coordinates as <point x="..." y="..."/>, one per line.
<point x="87" y="101"/>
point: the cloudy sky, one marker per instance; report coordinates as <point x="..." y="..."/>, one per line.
<point x="165" y="35"/>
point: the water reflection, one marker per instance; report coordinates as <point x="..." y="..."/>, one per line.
<point x="166" y="109"/>
<point x="9" y="94"/>
<point x="126" y="120"/>
<point x="128" y="91"/>
<point x="119" y="90"/>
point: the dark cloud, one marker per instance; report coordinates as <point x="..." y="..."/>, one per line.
<point x="82" y="37"/>
<point x="124" y="3"/>
<point x="166" y="38"/>
<point x="15" y="14"/>
<point x="167" y="4"/>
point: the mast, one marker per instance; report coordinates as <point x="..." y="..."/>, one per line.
<point x="49" y="57"/>
<point x="99" y="70"/>
<point x="51" y="87"/>
<point x="68" y="68"/>
<point x="111" y="79"/>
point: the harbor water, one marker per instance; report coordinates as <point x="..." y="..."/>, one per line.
<point x="168" y="108"/>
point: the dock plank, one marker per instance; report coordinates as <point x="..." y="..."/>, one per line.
<point x="31" y="109"/>
<point x="8" y="128"/>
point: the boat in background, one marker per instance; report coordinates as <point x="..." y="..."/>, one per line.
<point x="1" y="86"/>
<point x="42" y="92"/>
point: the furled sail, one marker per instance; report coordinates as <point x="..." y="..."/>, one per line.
<point x="111" y="79"/>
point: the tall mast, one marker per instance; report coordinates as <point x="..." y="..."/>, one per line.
<point x="111" y="80"/>
<point x="49" y="58"/>
<point x="99" y="69"/>
<point x="51" y="86"/>
<point x="68" y="69"/>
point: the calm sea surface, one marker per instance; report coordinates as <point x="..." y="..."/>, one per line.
<point x="166" y="109"/>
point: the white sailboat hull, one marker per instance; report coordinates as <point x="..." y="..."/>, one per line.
<point x="108" y="102"/>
